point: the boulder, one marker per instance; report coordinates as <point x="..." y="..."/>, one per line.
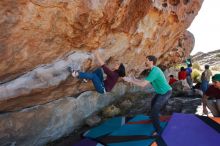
<point x="39" y="39"/>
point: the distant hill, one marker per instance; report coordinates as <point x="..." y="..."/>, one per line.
<point x="212" y="58"/>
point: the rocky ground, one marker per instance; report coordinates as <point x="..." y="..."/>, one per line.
<point x="212" y="58"/>
<point x="132" y="104"/>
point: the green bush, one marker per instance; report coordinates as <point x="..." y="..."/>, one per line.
<point x="178" y="66"/>
<point x="196" y="66"/>
<point x="196" y="75"/>
<point x="218" y="55"/>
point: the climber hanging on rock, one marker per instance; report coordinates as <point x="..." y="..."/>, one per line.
<point x="101" y="85"/>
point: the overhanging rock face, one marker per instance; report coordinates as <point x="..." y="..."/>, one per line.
<point x="39" y="39"/>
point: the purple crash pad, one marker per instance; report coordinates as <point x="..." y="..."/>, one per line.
<point x="87" y="142"/>
<point x="189" y="130"/>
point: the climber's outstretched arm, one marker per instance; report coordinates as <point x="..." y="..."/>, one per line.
<point x="100" y="60"/>
<point x="138" y="82"/>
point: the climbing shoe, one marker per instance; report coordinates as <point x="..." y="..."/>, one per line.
<point x="69" y="69"/>
<point x="75" y="73"/>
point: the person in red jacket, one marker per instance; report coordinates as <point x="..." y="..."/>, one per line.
<point x="172" y="80"/>
<point x="182" y="74"/>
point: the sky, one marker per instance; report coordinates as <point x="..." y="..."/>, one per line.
<point x="206" y="27"/>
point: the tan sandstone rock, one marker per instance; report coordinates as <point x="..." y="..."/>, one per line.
<point x="39" y="39"/>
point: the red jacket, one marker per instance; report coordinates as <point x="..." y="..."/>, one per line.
<point x="182" y="75"/>
<point x="172" y="80"/>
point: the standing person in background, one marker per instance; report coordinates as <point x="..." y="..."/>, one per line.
<point x="211" y="97"/>
<point x="163" y="90"/>
<point x="205" y="78"/>
<point x="182" y="77"/>
<point x="188" y="75"/>
<point x="182" y="74"/>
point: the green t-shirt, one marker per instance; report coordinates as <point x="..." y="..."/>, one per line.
<point x="158" y="80"/>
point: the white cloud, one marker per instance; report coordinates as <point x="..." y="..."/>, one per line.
<point x="206" y="27"/>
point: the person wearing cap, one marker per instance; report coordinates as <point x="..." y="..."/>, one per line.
<point x="211" y="97"/>
<point x="163" y="90"/>
<point x="112" y="75"/>
<point x="205" y="78"/>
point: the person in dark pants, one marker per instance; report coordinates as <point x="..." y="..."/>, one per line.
<point x="101" y="85"/>
<point x="188" y="75"/>
<point x="163" y="90"/>
<point x="205" y="78"/>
